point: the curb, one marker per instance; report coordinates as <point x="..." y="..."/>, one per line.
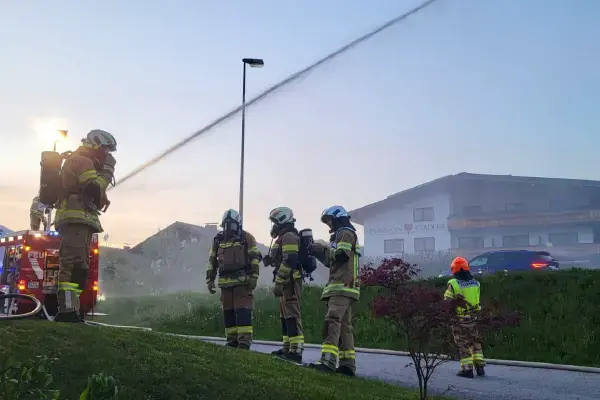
<point x="490" y="361"/>
<point x="507" y="363"/>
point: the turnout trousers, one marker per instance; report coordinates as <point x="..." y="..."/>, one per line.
<point x="468" y="340"/>
<point x="338" y="335"/>
<point x="291" y="317"/>
<point x="35" y="222"/>
<point x="237" y="303"/>
<point x="74" y="264"/>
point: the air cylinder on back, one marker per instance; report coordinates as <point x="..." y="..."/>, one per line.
<point x="50" y="179"/>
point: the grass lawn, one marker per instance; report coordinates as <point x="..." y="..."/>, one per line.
<point x="160" y="367"/>
<point x="561" y="323"/>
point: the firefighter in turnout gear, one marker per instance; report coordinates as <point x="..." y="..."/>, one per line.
<point x="465" y="333"/>
<point x="234" y="257"/>
<point x="36" y="214"/>
<point x="86" y="173"/>
<point x="284" y="256"/>
<point x="341" y="291"/>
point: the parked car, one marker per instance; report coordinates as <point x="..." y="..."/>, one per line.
<point x="511" y="261"/>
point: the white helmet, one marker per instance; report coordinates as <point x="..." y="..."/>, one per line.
<point x="282" y="215"/>
<point x="231" y="216"/>
<point x="334" y="212"/>
<point x="100" y="138"/>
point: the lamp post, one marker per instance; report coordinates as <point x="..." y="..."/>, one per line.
<point x="254" y="63"/>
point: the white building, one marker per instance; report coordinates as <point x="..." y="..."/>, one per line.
<point x="467" y="213"/>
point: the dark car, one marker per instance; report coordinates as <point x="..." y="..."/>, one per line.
<point x="513" y="260"/>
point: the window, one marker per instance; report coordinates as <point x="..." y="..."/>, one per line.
<point x="423" y="214"/>
<point x="515" y="240"/>
<point x="563" y="238"/>
<point x="475" y="242"/>
<point x="479" y="262"/>
<point x="393" y="246"/>
<point x="470" y="211"/>
<point x="515" y="207"/>
<point x="425" y="244"/>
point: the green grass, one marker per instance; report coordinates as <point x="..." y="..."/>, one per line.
<point x="159" y="367"/>
<point x="561" y="323"/>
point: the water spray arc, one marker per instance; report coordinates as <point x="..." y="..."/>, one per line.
<point x="272" y="89"/>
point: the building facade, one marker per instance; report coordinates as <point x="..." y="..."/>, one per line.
<point x="472" y="213"/>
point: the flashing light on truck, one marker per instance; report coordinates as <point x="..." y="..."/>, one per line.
<point x="29" y="261"/>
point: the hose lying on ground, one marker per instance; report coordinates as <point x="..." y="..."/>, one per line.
<point x="15" y="296"/>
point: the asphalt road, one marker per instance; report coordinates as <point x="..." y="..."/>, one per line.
<point x="500" y="383"/>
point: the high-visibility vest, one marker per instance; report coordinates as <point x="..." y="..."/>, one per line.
<point x="470" y="290"/>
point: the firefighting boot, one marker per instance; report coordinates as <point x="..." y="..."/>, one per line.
<point x="280" y="353"/>
<point x="465" y="373"/>
<point x="295" y="357"/>
<point x="480" y="370"/>
<point x="231" y="344"/>
<point x="345" y="370"/>
<point x="243" y="346"/>
<point x="319" y="366"/>
<point x="70" y="317"/>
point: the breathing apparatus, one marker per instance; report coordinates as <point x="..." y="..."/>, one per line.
<point x="281" y="218"/>
<point x="231" y="222"/>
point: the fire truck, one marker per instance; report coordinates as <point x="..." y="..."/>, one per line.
<point x="29" y="265"/>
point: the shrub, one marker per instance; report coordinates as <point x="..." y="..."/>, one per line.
<point x="30" y="380"/>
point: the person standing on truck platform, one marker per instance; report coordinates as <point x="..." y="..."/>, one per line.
<point x="340" y="293"/>
<point x="465" y="332"/>
<point x="86" y="174"/>
<point x="284" y="255"/>
<point x="234" y="258"/>
<point x="36" y="214"/>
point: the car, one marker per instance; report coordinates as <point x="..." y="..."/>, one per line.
<point x="507" y="261"/>
<point x="513" y="260"/>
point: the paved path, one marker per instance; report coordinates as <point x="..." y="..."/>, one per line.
<point x="501" y="382"/>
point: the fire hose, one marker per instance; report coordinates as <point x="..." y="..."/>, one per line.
<point x="295" y="76"/>
<point x="14" y="296"/>
<point x="40" y="308"/>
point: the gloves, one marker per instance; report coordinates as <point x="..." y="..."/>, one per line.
<point x="267" y="260"/>
<point x="317" y="247"/>
<point x="278" y="290"/>
<point x="104" y="203"/>
<point x="211" y="287"/>
<point x="252" y="283"/>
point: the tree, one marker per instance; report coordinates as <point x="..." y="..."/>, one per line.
<point x="421" y="315"/>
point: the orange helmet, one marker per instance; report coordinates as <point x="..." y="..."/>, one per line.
<point x="458" y="264"/>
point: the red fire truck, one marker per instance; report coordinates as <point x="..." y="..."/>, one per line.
<point x="29" y="265"/>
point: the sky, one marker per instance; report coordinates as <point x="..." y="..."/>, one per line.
<point x="495" y="86"/>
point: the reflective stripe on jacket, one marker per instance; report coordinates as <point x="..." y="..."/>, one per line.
<point x="77" y="172"/>
<point x="343" y="277"/>
<point x="286" y="248"/>
<point x="223" y="250"/>
<point x="469" y="290"/>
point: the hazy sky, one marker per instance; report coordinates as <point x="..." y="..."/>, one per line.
<point x="494" y="86"/>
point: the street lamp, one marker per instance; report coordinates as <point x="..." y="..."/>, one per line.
<point x="254" y="63"/>
<point x="61" y="134"/>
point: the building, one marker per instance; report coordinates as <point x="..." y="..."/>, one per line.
<point x="470" y="213"/>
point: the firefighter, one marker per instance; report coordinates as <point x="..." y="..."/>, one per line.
<point x="234" y="257"/>
<point x="284" y="255"/>
<point x="340" y="293"/>
<point x="36" y="214"/>
<point x="465" y="333"/>
<point x="86" y="174"/>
